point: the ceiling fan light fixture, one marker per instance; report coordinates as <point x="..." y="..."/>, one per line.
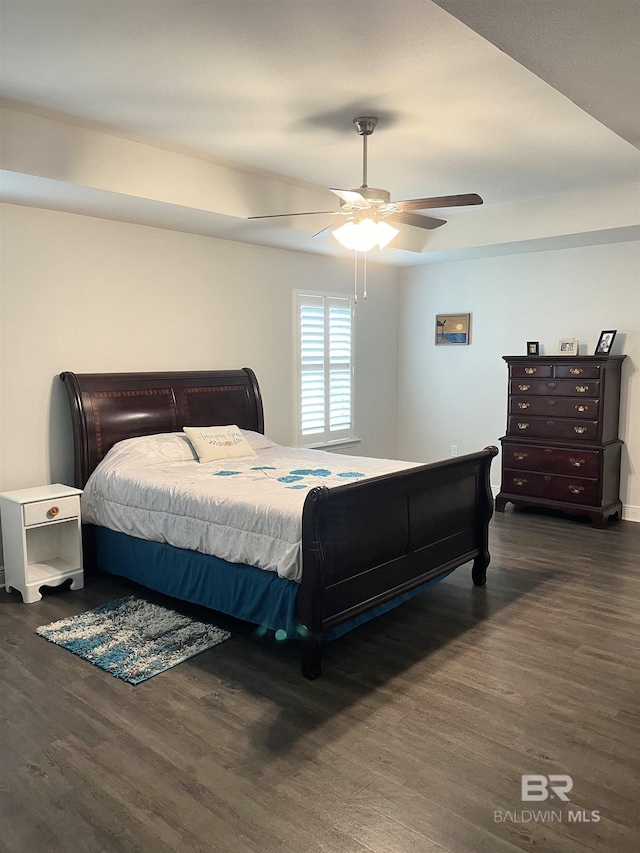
<point x="362" y="236"/>
<point x="386" y="233"/>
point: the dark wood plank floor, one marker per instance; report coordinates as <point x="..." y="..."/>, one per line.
<point x="415" y="737"/>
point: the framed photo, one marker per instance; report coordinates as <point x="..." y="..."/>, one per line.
<point x="568" y="346"/>
<point x="533" y="348"/>
<point x="453" y="329"/>
<point x="605" y="342"/>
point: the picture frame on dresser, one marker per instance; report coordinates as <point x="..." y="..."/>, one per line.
<point x="533" y="348"/>
<point x="605" y="342"/>
<point x="568" y="346"/>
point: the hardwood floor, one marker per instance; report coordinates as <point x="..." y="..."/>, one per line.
<point x="414" y="740"/>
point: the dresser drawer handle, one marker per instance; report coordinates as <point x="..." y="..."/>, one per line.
<point x="581" y="408"/>
<point x="520" y="456"/>
<point x="523" y="405"/>
<point x="523" y="426"/>
<point x="576" y="489"/>
<point x="582" y="388"/>
<point x="53" y="511"/>
<point x="530" y="370"/>
<point x="551" y="402"/>
<point x="552" y="384"/>
<point x="524" y="387"/>
<point x="576" y="371"/>
<point x="579" y="430"/>
<point x="577" y="463"/>
<point x="547" y="478"/>
<point x="519" y="481"/>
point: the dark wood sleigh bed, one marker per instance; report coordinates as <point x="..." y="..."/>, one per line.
<point x="364" y="545"/>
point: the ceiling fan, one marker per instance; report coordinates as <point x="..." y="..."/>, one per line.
<point x="369" y="210"/>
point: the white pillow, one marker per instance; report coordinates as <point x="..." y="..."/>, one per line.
<point x="218" y="442"/>
<point x="155" y="449"/>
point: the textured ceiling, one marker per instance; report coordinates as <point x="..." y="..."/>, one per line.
<point x="587" y="49"/>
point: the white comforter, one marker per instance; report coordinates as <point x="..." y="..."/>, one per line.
<point x="244" y="510"/>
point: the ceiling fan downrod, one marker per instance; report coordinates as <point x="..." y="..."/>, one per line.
<point x="365" y="125"/>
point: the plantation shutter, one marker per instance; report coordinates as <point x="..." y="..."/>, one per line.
<point x="325" y="368"/>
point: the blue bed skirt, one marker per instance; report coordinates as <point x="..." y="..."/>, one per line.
<point x="254" y="595"/>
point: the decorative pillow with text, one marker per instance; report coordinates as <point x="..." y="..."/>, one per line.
<point x="218" y="442"/>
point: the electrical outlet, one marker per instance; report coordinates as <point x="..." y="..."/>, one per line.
<point x="454" y="449"/>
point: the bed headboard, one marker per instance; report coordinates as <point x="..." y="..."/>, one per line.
<point x="109" y="407"/>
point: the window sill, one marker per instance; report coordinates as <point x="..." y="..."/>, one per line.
<point x="340" y="443"/>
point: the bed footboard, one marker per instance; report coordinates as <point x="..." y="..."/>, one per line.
<point x="366" y="543"/>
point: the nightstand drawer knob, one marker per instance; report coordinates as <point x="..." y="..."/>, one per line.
<point x="551" y="384"/>
<point x="53" y="511"/>
<point x="523" y="405"/>
<point x="524" y="387"/>
<point x="577" y="463"/>
<point x="581" y="408"/>
<point x="576" y="489"/>
<point x="576" y="371"/>
<point x="523" y="426"/>
<point x="582" y="388"/>
<point x="520" y="456"/>
<point x="579" y="430"/>
<point x="519" y="481"/>
<point x="530" y="370"/>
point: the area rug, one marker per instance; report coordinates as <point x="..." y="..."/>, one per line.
<point x="133" y="639"/>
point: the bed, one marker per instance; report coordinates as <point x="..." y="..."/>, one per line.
<point x="366" y="546"/>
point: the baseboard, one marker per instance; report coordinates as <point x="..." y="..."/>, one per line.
<point x="631" y="513"/>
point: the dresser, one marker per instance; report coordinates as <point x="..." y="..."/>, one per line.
<point x="562" y="450"/>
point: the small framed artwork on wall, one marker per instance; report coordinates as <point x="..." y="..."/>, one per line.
<point x="453" y="329"/>
<point x="533" y="348"/>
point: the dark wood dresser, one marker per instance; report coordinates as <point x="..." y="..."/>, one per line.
<point x="562" y="450"/>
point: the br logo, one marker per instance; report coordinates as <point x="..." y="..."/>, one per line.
<point x="537" y="787"/>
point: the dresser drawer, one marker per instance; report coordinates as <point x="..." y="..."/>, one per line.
<point x="550" y="486"/>
<point x="575" y="370"/>
<point x="551" y="460"/>
<point x="526" y="371"/>
<point x="567" y="430"/>
<point x="555" y="387"/>
<point x="559" y="407"/>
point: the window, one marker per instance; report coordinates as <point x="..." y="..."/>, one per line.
<point x="324" y="373"/>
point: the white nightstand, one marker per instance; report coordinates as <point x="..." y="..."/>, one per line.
<point x="42" y="539"/>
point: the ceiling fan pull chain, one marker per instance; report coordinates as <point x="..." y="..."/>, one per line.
<point x="364" y="295"/>
<point x="355" y="278"/>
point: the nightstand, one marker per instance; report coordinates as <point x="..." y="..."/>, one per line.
<point x="42" y="539"/>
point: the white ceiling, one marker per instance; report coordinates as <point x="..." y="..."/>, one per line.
<point x="273" y="86"/>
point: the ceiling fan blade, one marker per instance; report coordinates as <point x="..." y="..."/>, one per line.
<point x="429" y="222"/>
<point x="307" y="213"/>
<point x="326" y="231"/>
<point x="439" y="201"/>
<point x="352" y="197"/>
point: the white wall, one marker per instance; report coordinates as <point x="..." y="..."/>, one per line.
<point x="458" y="395"/>
<point x="91" y="295"/>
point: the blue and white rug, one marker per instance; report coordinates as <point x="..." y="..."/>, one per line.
<point x="133" y="639"/>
